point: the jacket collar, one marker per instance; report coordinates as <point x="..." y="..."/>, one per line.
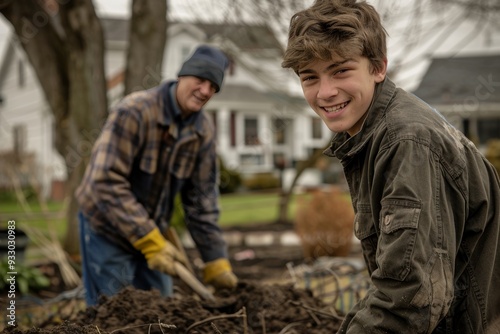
<point x="343" y="145"/>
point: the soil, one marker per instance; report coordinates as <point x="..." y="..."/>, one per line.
<point x="268" y="309"/>
<point x="265" y="301"/>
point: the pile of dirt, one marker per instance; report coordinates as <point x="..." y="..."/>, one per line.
<point x="252" y="308"/>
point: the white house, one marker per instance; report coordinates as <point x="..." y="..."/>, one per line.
<point x="259" y="121"/>
<point x="466" y="90"/>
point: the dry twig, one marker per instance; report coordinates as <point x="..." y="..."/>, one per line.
<point x="240" y="314"/>
<point x="290" y="326"/>
<point x="53" y="250"/>
<point x="160" y="324"/>
<point x="319" y="312"/>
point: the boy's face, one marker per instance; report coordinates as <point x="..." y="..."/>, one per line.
<point x="193" y="93"/>
<point x="340" y="91"/>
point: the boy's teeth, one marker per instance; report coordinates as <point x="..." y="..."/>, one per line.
<point x="336" y="108"/>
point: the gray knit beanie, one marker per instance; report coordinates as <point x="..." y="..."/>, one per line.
<point x="207" y="62"/>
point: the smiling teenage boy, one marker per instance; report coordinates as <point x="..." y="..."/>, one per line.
<point x="426" y="201"/>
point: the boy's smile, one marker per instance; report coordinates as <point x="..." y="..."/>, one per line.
<point x="340" y="91"/>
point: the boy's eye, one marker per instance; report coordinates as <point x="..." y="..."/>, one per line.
<point x="307" y="78"/>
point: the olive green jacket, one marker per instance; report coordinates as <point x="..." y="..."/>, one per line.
<point x="427" y="209"/>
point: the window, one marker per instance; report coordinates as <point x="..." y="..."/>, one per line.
<point x="480" y="131"/>
<point x="251" y="159"/>
<point x="231" y="69"/>
<point x="185" y="52"/>
<point x="251" y="131"/>
<point x="213" y="116"/>
<point x="279" y="160"/>
<point x="279" y="127"/>
<point x="20" y="137"/>
<point x="317" y="127"/>
<point x="488" y="129"/>
<point x="232" y="128"/>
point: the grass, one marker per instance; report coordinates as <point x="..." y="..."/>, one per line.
<point x="35" y="217"/>
<point x="236" y="209"/>
<point x="250" y="208"/>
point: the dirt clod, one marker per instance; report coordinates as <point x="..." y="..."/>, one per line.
<point x="268" y="309"/>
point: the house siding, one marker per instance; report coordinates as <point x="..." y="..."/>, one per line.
<point x="26" y="106"/>
<point x="261" y="77"/>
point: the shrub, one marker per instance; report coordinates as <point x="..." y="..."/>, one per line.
<point x="177" y="219"/>
<point x="262" y="181"/>
<point x="324" y="224"/>
<point x="230" y="180"/>
<point x="493" y="153"/>
<point x="27" y="279"/>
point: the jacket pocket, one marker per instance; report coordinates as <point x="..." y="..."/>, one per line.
<point x="364" y="230"/>
<point x="148" y="165"/>
<point x="436" y="290"/>
<point x="142" y="176"/>
<point x="398" y="226"/>
<point x="185" y="160"/>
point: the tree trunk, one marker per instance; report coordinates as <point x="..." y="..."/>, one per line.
<point x="147" y="39"/>
<point x="87" y="98"/>
<point x="64" y="44"/>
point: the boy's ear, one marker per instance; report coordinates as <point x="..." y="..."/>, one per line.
<point x="381" y="71"/>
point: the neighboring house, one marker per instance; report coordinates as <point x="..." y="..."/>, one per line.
<point x="466" y="90"/>
<point x="260" y="122"/>
<point x="26" y="127"/>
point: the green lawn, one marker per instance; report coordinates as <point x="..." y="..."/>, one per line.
<point x="14" y="207"/>
<point x="251" y="208"/>
<point x="235" y="210"/>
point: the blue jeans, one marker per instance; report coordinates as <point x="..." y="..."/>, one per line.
<point x="108" y="268"/>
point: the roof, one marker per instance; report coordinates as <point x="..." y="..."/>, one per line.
<point x="248" y="37"/>
<point x="247" y="94"/>
<point x="6" y="61"/>
<point x="464" y="80"/>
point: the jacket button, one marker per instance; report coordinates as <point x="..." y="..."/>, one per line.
<point x="387" y="220"/>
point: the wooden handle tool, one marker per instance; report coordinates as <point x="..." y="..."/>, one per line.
<point x="187" y="277"/>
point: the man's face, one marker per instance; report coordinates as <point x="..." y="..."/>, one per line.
<point x="340" y="91"/>
<point x="193" y="93"/>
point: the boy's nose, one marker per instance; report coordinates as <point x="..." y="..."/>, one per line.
<point x="327" y="89"/>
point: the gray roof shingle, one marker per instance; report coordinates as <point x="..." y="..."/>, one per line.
<point x="247" y="37"/>
<point x="461" y="80"/>
<point x="247" y="94"/>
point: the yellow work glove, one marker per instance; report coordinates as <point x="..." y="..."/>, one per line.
<point x="219" y="274"/>
<point x="159" y="253"/>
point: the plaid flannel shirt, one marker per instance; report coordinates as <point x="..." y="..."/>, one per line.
<point x="141" y="161"/>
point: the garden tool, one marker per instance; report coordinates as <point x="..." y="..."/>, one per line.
<point x="172" y="236"/>
<point x="187" y="277"/>
<point x="185" y="272"/>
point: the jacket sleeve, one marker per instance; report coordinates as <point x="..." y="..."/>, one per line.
<point x="200" y="198"/>
<point x="108" y="173"/>
<point x="411" y="264"/>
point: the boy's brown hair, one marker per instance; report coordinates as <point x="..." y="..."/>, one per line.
<point x="335" y="28"/>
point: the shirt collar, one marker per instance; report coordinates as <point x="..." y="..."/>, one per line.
<point x="342" y="144"/>
<point x="172" y="111"/>
<point x="175" y="109"/>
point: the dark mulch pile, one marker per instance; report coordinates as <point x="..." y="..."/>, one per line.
<point x="268" y="309"/>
